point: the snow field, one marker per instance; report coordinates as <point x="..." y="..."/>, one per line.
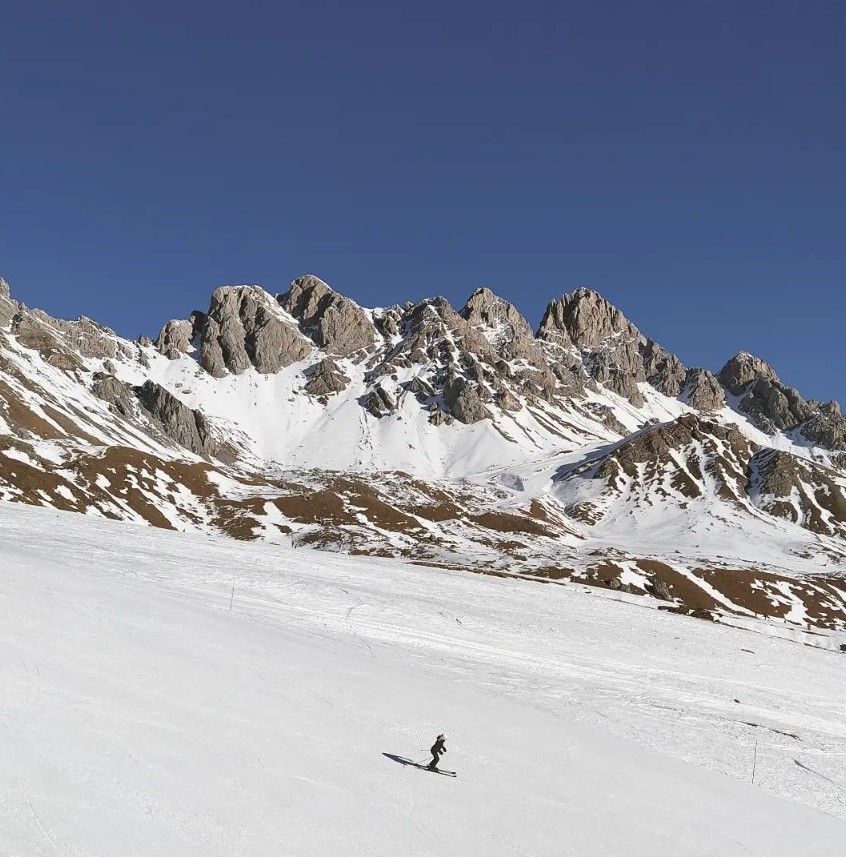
<point x="140" y="715"/>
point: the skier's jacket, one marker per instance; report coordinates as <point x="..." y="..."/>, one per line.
<point x="438" y="746"/>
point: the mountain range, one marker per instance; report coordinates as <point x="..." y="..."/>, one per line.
<point x="581" y="453"/>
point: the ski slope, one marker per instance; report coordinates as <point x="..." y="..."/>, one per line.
<point x="178" y="695"/>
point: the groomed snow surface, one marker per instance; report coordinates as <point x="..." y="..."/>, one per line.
<point x="176" y="695"/>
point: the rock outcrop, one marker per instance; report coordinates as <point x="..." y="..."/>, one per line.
<point x="773" y="406"/>
<point x="334" y="322"/>
<point x="702" y="391"/>
<point x="800" y="491"/>
<point x="464" y="401"/>
<point x="32" y="332"/>
<point x="826" y="428"/>
<point x="119" y="396"/>
<point x="325" y="378"/>
<point x="504" y="328"/>
<point x="185" y="426"/>
<point x="8" y="307"/>
<point x="244" y="328"/>
<point x="379" y="402"/>
<point x="175" y="339"/>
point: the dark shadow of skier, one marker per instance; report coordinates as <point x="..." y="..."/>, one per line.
<point x="410" y="763"/>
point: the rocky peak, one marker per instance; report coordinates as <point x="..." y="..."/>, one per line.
<point x="333" y="322"/>
<point x="434" y="333"/>
<point x="174" y="339"/>
<point x="742" y="369"/>
<point x="608" y="344"/>
<point x="503" y="327"/>
<point x="584" y="318"/>
<point x="244" y="327"/>
<point x="773" y="406"/>
<point x="487" y="310"/>
<point x="702" y="391"/>
<point x="614" y="351"/>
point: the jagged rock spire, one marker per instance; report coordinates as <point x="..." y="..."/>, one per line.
<point x="333" y="321"/>
<point x="742" y="369"/>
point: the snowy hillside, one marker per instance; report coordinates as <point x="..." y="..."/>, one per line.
<point x="175" y="694"/>
<point x="579" y="451"/>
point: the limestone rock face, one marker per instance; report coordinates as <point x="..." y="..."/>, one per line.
<point x="187" y="427"/>
<point x="8" y="307"/>
<point x="380" y="403"/>
<point x="504" y="328"/>
<point x="702" y="391"/>
<point x="663" y="370"/>
<point x="464" y="401"/>
<point x="619" y="370"/>
<point x="773" y="406"/>
<point x="800" y="491"/>
<point x="584" y="319"/>
<point x="334" y="322"/>
<point x="612" y="349"/>
<point x="507" y="400"/>
<point x="118" y="395"/>
<point x="33" y="333"/>
<point x="63" y="344"/>
<point x="86" y="337"/>
<point x="825" y="429"/>
<point x="742" y="369"/>
<point x="606" y="416"/>
<point x="614" y="352"/>
<point x="174" y="340"/>
<point x="243" y="328"/>
<point x="326" y="378"/>
<point x="274" y="345"/>
<point x="212" y="358"/>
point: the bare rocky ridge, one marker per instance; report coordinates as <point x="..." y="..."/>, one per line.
<point x="702" y="391"/>
<point x="8" y="307"/>
<point x="806" y="493"/>
<point x="175" y="339"/>
<point x="334" y="322"/>
<point x="773" y="406"/>
<point x="503" y="326"/>
<point x="619" y="356"/>
<point x="243" y="329"/>
<point x="119" y="396"/>
<point x="189" y="428"/>
<point x="674" y="462"/>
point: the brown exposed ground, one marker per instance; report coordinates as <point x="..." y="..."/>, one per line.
<point x="396" y="515"/>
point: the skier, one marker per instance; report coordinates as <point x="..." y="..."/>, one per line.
<point x="437" y="750"/>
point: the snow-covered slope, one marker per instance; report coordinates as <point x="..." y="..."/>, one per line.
<point x="582" y="451"/>
<point x="172" y="694"/>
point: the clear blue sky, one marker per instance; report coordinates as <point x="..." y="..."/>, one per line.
<point x="685" y="159"/>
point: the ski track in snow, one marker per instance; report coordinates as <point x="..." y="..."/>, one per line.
<point x="141" y="715"/>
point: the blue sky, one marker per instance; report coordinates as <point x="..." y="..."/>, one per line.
<point x="684" y="159"/>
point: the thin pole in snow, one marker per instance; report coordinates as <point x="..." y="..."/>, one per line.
<point x="231" y="597"/>
<point x="754" y="760"/>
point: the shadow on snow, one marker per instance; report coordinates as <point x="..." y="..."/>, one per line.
<point x="411" y="764"/>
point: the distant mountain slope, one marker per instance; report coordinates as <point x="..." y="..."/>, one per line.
<point x="584" y="451"/>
